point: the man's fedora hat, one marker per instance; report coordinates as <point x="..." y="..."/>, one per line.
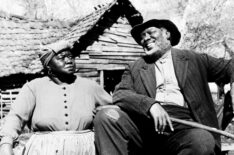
<point x="159" y="23"/>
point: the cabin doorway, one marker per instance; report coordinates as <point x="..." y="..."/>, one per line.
<point x="111" y="79"/>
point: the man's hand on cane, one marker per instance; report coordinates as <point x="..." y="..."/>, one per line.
<point x="160" y="117"/>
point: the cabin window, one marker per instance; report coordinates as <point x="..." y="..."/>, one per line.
<point x="111" y="78"/>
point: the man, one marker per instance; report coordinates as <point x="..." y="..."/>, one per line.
<point x="166" y="82"/>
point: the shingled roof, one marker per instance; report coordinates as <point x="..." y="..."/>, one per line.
<point x="90" y="28"/>
<point x="20" y="40"/>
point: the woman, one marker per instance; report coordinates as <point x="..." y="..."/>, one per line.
<point x="60" y="101"/>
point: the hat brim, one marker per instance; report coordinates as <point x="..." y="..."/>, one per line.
<point x="167" y="24"/>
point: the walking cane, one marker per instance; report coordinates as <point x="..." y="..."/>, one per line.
<point x="201" y="126"/>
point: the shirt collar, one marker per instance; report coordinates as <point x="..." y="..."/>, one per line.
<point x="165" y="57"/>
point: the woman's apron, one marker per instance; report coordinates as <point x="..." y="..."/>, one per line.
<point x="57" y="143"/>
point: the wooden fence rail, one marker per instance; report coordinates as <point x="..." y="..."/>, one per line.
<point x="6" y="99"/>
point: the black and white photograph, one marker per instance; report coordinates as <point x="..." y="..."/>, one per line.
<point x="116" y="77"/>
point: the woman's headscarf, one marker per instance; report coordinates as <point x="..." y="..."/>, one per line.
<point x="50" y="50"/>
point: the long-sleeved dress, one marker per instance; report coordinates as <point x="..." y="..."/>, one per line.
<point x="48" y="106"/>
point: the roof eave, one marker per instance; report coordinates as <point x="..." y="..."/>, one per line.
<point x="118" y="8"/>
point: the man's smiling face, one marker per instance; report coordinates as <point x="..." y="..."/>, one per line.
<point x="155" y="40"/>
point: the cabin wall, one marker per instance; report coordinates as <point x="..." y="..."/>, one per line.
<point x="113" y="50"/>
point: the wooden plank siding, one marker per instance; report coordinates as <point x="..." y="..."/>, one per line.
<point x="113" y="50"/>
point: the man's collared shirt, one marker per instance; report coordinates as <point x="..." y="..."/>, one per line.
<point x="167" y="88"/>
